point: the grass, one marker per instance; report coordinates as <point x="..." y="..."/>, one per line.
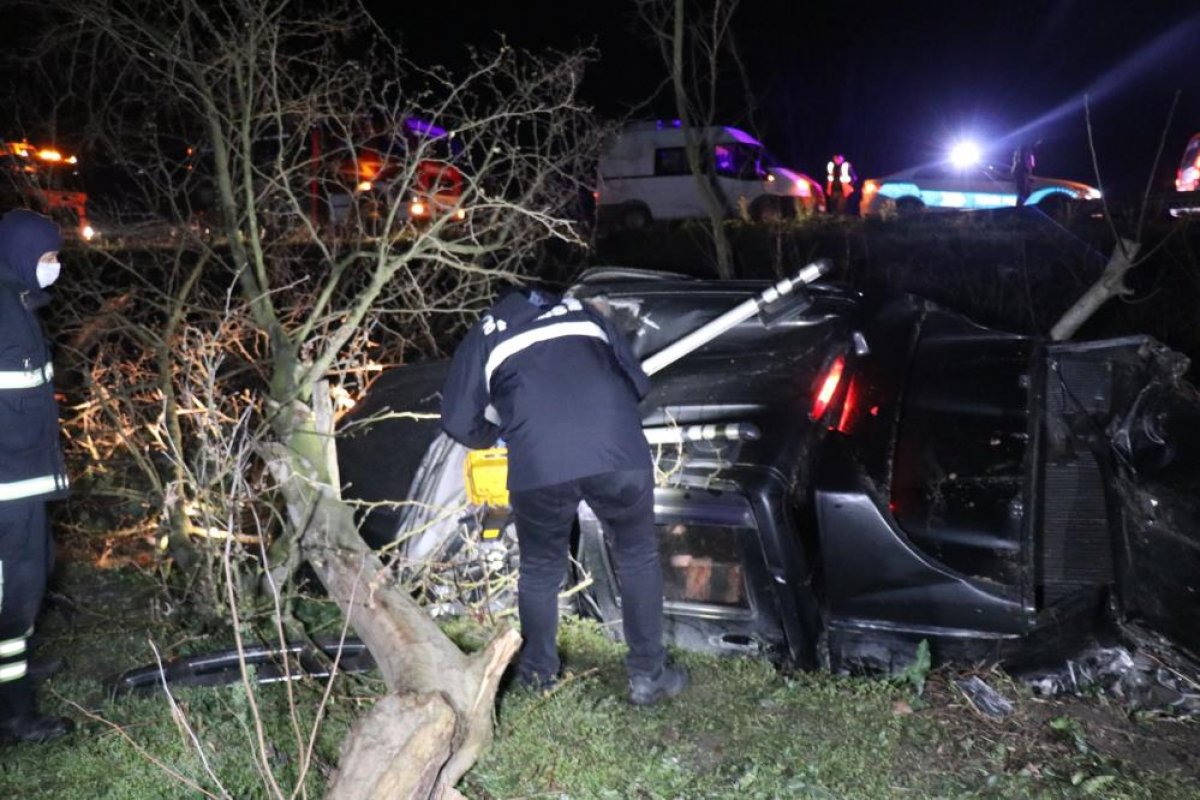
<point x="123" y="748"/>
<point x="741" y="730"/>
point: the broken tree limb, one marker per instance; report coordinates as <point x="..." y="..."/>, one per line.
<point x="398" y="732"/>
<point x="1110" y="284"/>
<point x="415" y="658"/>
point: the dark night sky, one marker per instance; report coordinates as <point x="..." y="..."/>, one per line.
<point x="891" y="87"/>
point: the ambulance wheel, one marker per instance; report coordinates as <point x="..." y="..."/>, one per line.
<point x="766" y="209"/>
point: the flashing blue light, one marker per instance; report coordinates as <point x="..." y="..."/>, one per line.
<point x="424" y="128"/>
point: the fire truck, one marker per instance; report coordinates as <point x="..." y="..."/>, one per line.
<point x="382" y="172"/>
<point x="405" y="173"/>
<point x="46" y="180"/>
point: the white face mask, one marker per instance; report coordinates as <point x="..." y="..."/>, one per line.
<point x="47" y="272"/>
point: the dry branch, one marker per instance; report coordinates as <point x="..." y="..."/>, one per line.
<point x="1110" y="284"/>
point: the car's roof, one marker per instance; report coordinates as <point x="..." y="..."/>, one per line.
<point x="932" y="173"/>
<point x="618" y="280"/>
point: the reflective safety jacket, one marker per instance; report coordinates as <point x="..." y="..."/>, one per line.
<point x="557" y="381"/>
<point x="839" y="178"/>
<point x="31" y="463"/>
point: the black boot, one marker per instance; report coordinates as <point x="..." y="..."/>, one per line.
<point x="40" y="669"/>
<point x="19" y="717"/>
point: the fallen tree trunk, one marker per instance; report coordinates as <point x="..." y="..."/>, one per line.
<point x="413" y="654"/>
<point x="399" y="733"/>
<point x="437" y="719"/>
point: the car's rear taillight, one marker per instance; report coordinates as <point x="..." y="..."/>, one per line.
<point x="848" y="408"/>
<point x="827" y="388"/>
<point x="870" y="188"/>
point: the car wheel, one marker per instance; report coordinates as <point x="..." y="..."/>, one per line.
<point x="766" y="209"/>
<point x="1056" y="206"/>
<point x="635" y="217"/>
<point x="909" y="207"/>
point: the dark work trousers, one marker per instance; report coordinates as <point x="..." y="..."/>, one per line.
<point x="624" y="503"/>
<point x="25" y="561"/>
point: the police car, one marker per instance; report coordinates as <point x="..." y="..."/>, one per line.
<point x="947" y="187"/>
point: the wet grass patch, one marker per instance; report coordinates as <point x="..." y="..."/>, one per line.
<point x="743" y="729"/>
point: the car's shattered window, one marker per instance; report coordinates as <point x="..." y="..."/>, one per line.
<point x="702" y="563"/>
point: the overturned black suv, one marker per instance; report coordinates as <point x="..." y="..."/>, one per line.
<point x="843" y="476"/>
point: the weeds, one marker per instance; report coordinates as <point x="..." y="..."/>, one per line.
<point x="916" y="673"/>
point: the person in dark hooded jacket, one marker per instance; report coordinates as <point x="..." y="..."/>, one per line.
<point x="31" y="463"/>
<point x="557" y="381"/>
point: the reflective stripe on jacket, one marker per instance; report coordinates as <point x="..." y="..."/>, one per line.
<point x="558" y="382"/>
<point x="26" y="378"/>
<point x="31" y="463"/>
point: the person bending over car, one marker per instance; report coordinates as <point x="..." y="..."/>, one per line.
<point x="557" y="381"/>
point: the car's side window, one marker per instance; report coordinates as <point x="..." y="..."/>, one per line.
<point x="702" y="563"/>
<point x="670" y="161"/>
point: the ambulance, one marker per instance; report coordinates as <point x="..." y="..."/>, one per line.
<point x="645" y="177"/>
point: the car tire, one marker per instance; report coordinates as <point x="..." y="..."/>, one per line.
<point x="766" y="210"/>
<point x="909" y="207"/>
<point x="635" y="217"/>
<point x="1056" y="206"/>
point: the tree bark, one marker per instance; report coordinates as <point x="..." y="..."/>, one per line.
<point x="397" y="750"/>
<point x="699" y="161"/>
<point x="430" y="679"/>
<point x="1110" y="284"/>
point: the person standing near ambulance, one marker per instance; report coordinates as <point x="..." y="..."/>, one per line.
<point x="839" y="183"/>
<point x="31" y="463"/>
<point x="558" y="382"/>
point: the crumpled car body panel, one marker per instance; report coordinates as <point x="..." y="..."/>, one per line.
<point x="993" y="494"/>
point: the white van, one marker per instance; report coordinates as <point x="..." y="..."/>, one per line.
<point x="644" y="176"/>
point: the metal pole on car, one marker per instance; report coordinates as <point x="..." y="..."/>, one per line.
<point x="743" y="311"/>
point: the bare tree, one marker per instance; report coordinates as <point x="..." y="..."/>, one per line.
<point x="1111" y="282"/>
<point x="696" y="48"/>
<point x="319" y="200"/>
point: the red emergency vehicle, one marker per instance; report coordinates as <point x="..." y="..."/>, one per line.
<point x="46" y="180"/>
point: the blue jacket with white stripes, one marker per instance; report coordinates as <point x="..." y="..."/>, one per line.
<point x="31" y="463"/>
<point x="557" y="381"/>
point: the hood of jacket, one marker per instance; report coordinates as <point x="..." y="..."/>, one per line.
<point x="24" y="237"/>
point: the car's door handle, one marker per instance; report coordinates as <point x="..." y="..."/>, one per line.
<point x="736" y="642"/>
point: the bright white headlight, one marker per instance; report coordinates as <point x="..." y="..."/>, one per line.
<point x="964" y="154"/>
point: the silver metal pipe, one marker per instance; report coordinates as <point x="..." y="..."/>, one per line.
<point x="743" y="311"/>
<point x="724" y="431"/>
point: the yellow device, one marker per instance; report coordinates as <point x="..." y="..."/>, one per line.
<point x="485" y="473"/>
